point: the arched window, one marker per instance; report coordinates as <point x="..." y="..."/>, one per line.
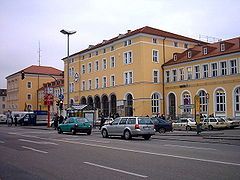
<point x="237" y="100"/>
<point x="186" y="100"/>
<point x="203" y="101"/>
<point x="155" y="103"/>
<point x="220" y="100"/>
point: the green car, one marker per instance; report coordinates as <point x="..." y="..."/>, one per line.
<point x="74" y="125"/>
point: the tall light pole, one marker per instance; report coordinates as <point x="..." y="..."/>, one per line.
<point x="67" y="33"/>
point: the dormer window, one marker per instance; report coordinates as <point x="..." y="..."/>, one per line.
<point x="174" y="57"/>
<point x="186" y="45"/>
<point x="222" y="47"/>
<point x="205" y="51"/>
<point x="175" y="44"/>
<point x="189" y="54"/>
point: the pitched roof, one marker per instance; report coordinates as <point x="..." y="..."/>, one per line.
<point x="41" y="70"/>
<point x="144" y="30"/>
<point x="214" y="49"/>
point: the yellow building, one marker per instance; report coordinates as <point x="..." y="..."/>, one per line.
<point x="124" y="75"/>
<point x="212" y="72"/>
<point x="22" y="86"/>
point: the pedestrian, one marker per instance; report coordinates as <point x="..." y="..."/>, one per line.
<point x="15" y="120"/>
<point x="55" y="122"/>
<point x="102" y="121"/>
<point x="61" y="118"/>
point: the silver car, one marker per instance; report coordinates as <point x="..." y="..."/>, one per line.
<point x="128" y="127"/>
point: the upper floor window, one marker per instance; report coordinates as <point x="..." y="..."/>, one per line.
<point x="174" y="74"/>
<point x="223" y="68"/>
<point x="104" y="82"/>
<point x="127" y="42"/>
<point x="112" y="48"/>
<point x="167" y="76"/>
<point x="155" y="56"/>
<point x="181" y="74"/>
<point x="155" y="76"/>
<point x="29" y="84"/>
<point x="186" y="45"/>
<point x="96" y="53"/>
<point x="205" y="51"/>
<point x="96" y="83"/>
<point x="128" y="77"/>
<point x="127" y="56"/>
<point x="89" y="67"/>
<point x="83" y="69"/>
<point x="205" y="71"/>
<point x="214" y="69"/>
<point x="175" y="44"/>
<point x="83" y="85"/>
<point x="90" y="55"/>
<point x="189" y="54"/>
<point x="96" y="66"/>
<point x="112" y="61"/>
<point x="197" y="72"/>
<point x="112" y="80"/>
<point x="89" y="84"/>
<point x="220" y="97"/>
<point x="222" y="47"/>
<point x="233" y="66"/>
<point x="189" y="73"/>
<point x="29" y="96"/>
<point x="104" y="64"/>
<point x="154" y="40"/>
<point x="104" y="51"/>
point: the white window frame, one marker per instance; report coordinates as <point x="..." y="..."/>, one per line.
<point x="181" y="74"/>
<point x="205" y="50"/>
<point x="236" y="100"/>
<point x="83" y="85"/>
<point x="96" y="65"/>
<point x="233" y="69"/>
<point x="104" y="81"/>
<point x="29" y="84"/>
<point x="29" y="95"/>
<point x="112" y="62"/>
<point x="189" y="73"/>
<point x="214" y="70"/>
<point x="96" y="83"/>
<point x="112" y="80"/>
<point x="189" y="54"/>
<point x="222" y="47"/>
<point x="223" y="70"/>
<point x="104" y="64"/>
<point x="155" y="99"/>
<point x="89" y="84"/>
<point x="197" y="74"/>
<point x="155" y="57"/>
<point x="155" y="79"/>
<point x="128" y="57"/>
<point x="167" y="76"/>
<point x="221" y="97"/>
<point x="174" y="75"/>
<point x="83" y="69"/>
<point x="89" y="67"/>
<point x="128" y="77"/>
<point x="205" y="74"/>
<point x="154" y="40"/>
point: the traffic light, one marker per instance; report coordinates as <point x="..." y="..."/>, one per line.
<point x="22" y="75"/>
<point x="61" y="105"/>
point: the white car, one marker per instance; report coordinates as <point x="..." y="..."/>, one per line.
<point x="3" y="118"/>
<point x="213" y="123"/>
<point x="231" y="123"/>
<point x="184" y="124"/>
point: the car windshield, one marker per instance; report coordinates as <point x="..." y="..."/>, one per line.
<point x="192" y="120"/>
<point x="82" y="120"/>
<point x="144" y="121"/>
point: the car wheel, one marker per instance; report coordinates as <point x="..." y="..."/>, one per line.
<point x="59" y="131"/>
<point x="104" y="133"/>
<point x="210" y="128"/>
<point x="188" y="128"/>
<point x="127" y="135"/>
<point x="89" y="132"/>
<point x="73" y="131"/>
<point x="161" y="130"/>
<point x="147" y="137"/>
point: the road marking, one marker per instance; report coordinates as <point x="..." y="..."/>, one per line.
<point x="113" y="169"/>
<point x="2" y="142"/>
<point x="190" y="147"/>
<point x="37" y="142"/>
<point x="74" y="139"/>
<point x="36" y="150"/>
<point x="152" y="153"/>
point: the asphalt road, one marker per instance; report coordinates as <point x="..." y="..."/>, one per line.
<point x="43" y="154"/>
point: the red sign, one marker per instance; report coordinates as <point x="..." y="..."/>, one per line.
<point x="48" y="99"/>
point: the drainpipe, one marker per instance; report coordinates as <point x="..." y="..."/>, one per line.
<point x="163" y="84"/>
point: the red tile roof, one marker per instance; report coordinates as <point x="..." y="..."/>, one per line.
<point x="231" y="46"/>
<point x="41" y="70"/>
<point x="144" y="30"/>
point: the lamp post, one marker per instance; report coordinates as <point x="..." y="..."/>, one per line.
<point x="67" y="33"/>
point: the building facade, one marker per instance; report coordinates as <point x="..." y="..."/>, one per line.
<point x="3" y="101"/>
<point x="210" y="71"/>
<point x="124" y="74"/>
<point x="22" y="87"/>
<point x="55" y="88"/>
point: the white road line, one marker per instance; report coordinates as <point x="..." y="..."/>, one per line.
<point x="2" y="142"/>
<point x="118" y="170"/>
<point x="74" y="139"/>
<point x="36" y="150"/>
<point x="190" y="147"/>
<point x="37" y="142"/>
<point x="152" y="153"/>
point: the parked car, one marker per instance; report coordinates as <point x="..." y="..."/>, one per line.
<point x="129" y="127"/>
<point x="74" y="125"/>
<point x="213" y="123"/>
<point x="184" y="124"/>
<point x="231" y="123"/>
<point x="161" y="125"/>
<point x="3" y="118"/>
<point x="107" y="121"/>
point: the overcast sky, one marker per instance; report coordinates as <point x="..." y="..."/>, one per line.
<point x="26" y="22"/>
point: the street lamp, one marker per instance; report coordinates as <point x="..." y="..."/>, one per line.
<point x="67" y="33"/>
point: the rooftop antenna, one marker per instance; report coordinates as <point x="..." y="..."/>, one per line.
<point x="39" y="54"/>
<point x="209" y="39"/>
